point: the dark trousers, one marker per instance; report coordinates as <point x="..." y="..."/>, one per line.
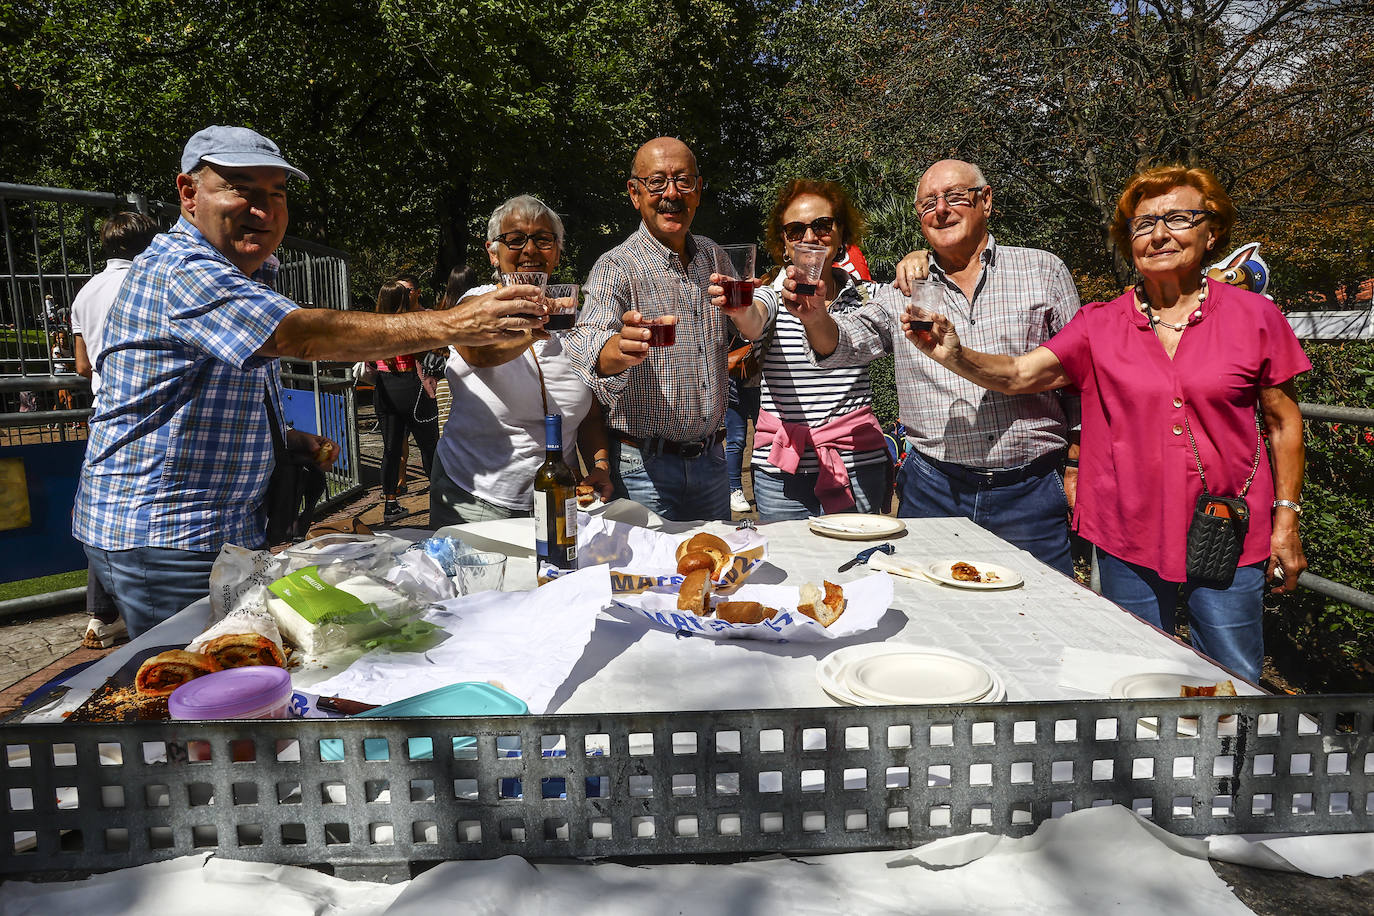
<point x="396" y="396"/>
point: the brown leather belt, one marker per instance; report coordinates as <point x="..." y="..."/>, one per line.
<point x="655" y="445"/>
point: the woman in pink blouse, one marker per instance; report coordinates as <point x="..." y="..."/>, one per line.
<point x="1172" y="373"/>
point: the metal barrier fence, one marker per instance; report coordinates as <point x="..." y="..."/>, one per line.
<point x="368" y="797"/>
<point x="52" y="248"/>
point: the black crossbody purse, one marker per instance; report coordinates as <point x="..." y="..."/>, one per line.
<point x="1220" y="523"/>
<point x="296" y="485"/>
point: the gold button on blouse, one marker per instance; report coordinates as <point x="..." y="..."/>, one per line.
<point x="1178" y="430"/>
<point x="1178" y="402"/>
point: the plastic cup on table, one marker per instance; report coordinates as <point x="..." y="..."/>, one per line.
<point x="811" y="260"/>
<point x="480" y="572"/>
<point x="739" y="268"/>
<point x="563" y="299"/>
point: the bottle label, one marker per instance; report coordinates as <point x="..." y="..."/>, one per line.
<point x="555" y="529"/>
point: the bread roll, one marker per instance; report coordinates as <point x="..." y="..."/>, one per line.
<point x="744" y="612"/>
<point x="824" y="609"/>
<point x="586" y="494"/>
<point x="695" y="593"/>
<point x="697" y="559"/>
<point x="166" y="671"/>
<point x="711" y="546"/>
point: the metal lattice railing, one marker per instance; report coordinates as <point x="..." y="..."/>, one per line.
<point x="378" y="794"/>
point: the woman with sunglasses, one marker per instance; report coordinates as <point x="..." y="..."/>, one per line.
<point x="818" y="448"/>
<point x="1172" y="374"/>
<point x="493" y="442"/>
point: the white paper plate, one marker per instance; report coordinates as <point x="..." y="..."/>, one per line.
<point x="856" y="526"/>
<point x="1151" y="684"/>
<point x="940" y="572"/>
<point x="833" y="679"/>
<point x="917" y="677"/>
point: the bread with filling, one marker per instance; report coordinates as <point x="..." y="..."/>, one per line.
<point x="166" y="671"/>
<point x="824" y="608"/>
<point x="236" y="650"/>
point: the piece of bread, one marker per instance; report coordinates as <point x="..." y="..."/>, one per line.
<point x="586" y="494"/>
<point x="166" y="671"/>
<point x="711" y="546"/>
<point x="1223" y="689"/>
<point x="824" y="608"/>
<point x="697" y="559"/>
<point x="965" y="572"/>
<point x="236" y="650"/>
<point x="744" y="612"/>
<point x="695" y="593"/>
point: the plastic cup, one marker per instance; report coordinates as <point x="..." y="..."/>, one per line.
<point x="563" y="299"/>
<point x="928" y="295"/>
<point x="739" y="289"/>
<point x="480" y="572"/>
<point x="526" y="278"/>
<point x="811" y="260"/>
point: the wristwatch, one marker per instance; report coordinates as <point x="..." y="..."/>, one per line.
<point x="1288" y="504"/>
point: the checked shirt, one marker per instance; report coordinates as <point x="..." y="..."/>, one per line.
<point x="180" y="450"/>
<point x="679" y="392"/>
<point x="1023" y="298"/>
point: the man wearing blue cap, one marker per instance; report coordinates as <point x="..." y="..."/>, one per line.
<point x="180" y="449"/>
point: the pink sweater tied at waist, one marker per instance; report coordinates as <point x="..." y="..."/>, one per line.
<point x="856" y="431"/>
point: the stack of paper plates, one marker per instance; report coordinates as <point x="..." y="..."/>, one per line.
<point x="900" y="675"/>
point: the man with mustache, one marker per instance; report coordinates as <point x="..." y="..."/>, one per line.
<point x="1008" y="462"/>
<point x="665" y="404"/>
<point x="181" y="442"/>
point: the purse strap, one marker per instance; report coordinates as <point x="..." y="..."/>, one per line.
<point x="1259" y="451"/>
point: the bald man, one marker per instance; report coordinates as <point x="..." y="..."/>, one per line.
<point x="665" y="403"/>
<point x="1001" y="460"/>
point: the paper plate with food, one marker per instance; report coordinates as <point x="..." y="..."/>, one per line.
<point x="972" y="573"/>
<point x="642" y="559"/>
<point x="775" y="613"/>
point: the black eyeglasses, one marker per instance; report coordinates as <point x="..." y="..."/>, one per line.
<point x="544" y="241"/>
<point x="822" y="226"/>
<point x="657" y="184"/>
<point x="954" y="197"/>
<point x="1178" y="220"/>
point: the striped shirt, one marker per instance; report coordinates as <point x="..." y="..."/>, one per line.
<point x="795" y="390"/>
<point x="180" y="449"/>
<point x="1023" y="298"/>
<point x="679" y="392"/>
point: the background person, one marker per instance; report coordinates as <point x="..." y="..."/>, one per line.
<point x="1172" y="373"/>
<point x="494" y="443"/>
<point x="402" y="405"/>
<point x="818" y="447"/>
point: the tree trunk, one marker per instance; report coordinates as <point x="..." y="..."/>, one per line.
<point x="453" y="211"/>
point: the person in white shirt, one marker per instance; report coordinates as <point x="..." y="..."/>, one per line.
<point x="123" y="238"/>
<point x="493" y="442"/>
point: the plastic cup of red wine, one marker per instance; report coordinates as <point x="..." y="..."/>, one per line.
<point x="662" y="330"/>
<point x="811" y="260"/>
<point x="928" y="295"/>
<point x="563" y="299"/>
<point x="526" y="278"/>
<point x="739" y="285"/>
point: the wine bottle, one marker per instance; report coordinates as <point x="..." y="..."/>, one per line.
<point x="555" y="503"/>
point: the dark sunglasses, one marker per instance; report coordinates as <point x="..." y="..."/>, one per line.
<point x="821" y="226"/>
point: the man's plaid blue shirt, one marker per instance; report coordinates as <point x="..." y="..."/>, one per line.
<point x="180" y="449"/>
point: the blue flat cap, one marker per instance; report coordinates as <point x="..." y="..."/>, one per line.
<point x="234" y="146"/>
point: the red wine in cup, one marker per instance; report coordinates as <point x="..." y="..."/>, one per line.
<point x="663" y="334"/>
<point x="738" y="293"/>
<point x="560" y="321"/>
<point x="922" y="325"/>
<point x="806" y="289"/>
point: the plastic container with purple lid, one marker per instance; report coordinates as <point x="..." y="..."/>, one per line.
<point x="251" y="692"/>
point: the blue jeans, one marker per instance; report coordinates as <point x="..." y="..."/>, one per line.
<point x="782" y="497"/>
<point x="150" y="584"/>
<point x="1031" y="513"/>
<point x="742" y="407"/>
<point x="679" y="489"/>
<point x="1226" y="624"/>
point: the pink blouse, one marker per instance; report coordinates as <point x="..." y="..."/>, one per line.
<point x="1138" y="480"/>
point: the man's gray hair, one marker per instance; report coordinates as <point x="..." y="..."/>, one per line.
<point x="525" y="207"/>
